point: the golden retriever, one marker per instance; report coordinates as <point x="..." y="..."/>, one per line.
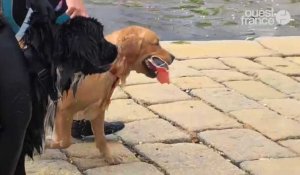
<point x="139" y="50"/>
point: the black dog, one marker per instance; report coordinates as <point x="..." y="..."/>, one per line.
<point x="56" y="54"/>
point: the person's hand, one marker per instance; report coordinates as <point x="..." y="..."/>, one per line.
<point x="43" y="7"/>
<point x="76" y="8"/>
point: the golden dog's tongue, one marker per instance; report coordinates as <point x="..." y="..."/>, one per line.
<point x="163" y="75"/>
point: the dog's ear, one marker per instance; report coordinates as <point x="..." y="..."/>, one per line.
<point x="130" y="46"/>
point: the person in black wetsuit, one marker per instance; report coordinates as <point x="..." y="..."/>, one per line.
<point x="15" y="93"/>
<point x="15" y="100"/>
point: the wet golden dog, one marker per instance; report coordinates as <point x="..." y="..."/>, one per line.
<point x="139" y="50"/>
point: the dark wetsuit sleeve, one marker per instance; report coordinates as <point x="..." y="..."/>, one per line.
<point x="19" y="11"/>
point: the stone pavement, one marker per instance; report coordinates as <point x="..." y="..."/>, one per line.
<point x="233" y="108"/>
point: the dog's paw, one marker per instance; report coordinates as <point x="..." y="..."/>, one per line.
<point x="113" y="160"/>
<point x="48" y="143"/>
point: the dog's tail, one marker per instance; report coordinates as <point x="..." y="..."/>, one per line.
<point x="41" y="118"/>
<point x="38" y="55"/>
<point x="50" y="116"/>
<point x="35" y="131"/>
<point x="41" y="87"/>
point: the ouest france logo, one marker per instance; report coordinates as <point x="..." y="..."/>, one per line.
<point x="266" y="17"/>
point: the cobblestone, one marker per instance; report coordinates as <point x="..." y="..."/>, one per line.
<point x="287" y="107"/>
<point x="254" y="89"/>
<point x="150" y="131"/>
<point x="288" y="166"/>
<point x="244" y="144"/>
<point x="156" y="93"/>
<point x="278" y="81"/>
<point x="242" y="64"/>
<point x="127" y="110"/>
<point x="226" y="99"/>
<point x="225" y="75"/>
<point x="288" y="46"/>
<point x="137" y="168"/>
<point x="187" y="158"/>
<point x="196" y="83"/>
<point x="194" y="115"/>
<point x="280" y="65"/>
<point x="205" y="64"/>
<point x="213" y="49"/>
<point x="280" y="128"/>
<point x="292" y="144"/>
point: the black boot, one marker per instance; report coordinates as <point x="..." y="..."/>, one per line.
<point x="83" y="128"/>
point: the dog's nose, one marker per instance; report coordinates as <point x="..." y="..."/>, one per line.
<point x="172" y="58"/>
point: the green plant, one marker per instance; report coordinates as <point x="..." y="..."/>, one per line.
<point x="203" y="24"/>
<point x="197" y="1"/>
<point x="295" y="1"/>
<point x="230" y="23"/>
<point x="207" y="11"/>
<point x="201" y="11"/>
<point x="181" y="42"/>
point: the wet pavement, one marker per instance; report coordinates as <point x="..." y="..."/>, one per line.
<point x="195" y="19"/>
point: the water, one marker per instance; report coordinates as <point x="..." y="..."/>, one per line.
<point x="194" y="19"/>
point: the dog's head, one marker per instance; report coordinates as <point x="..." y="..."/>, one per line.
<point x="143" y="52"/>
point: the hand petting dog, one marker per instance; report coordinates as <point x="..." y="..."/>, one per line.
<point x="76" y="8"/>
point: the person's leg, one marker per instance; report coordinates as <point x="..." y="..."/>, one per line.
<point x="20" y="169"/>
<point x="15" y="100"/>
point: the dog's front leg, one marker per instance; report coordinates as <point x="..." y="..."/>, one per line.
<point x="98" y="129"/>
<point x="62" y="130"/>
